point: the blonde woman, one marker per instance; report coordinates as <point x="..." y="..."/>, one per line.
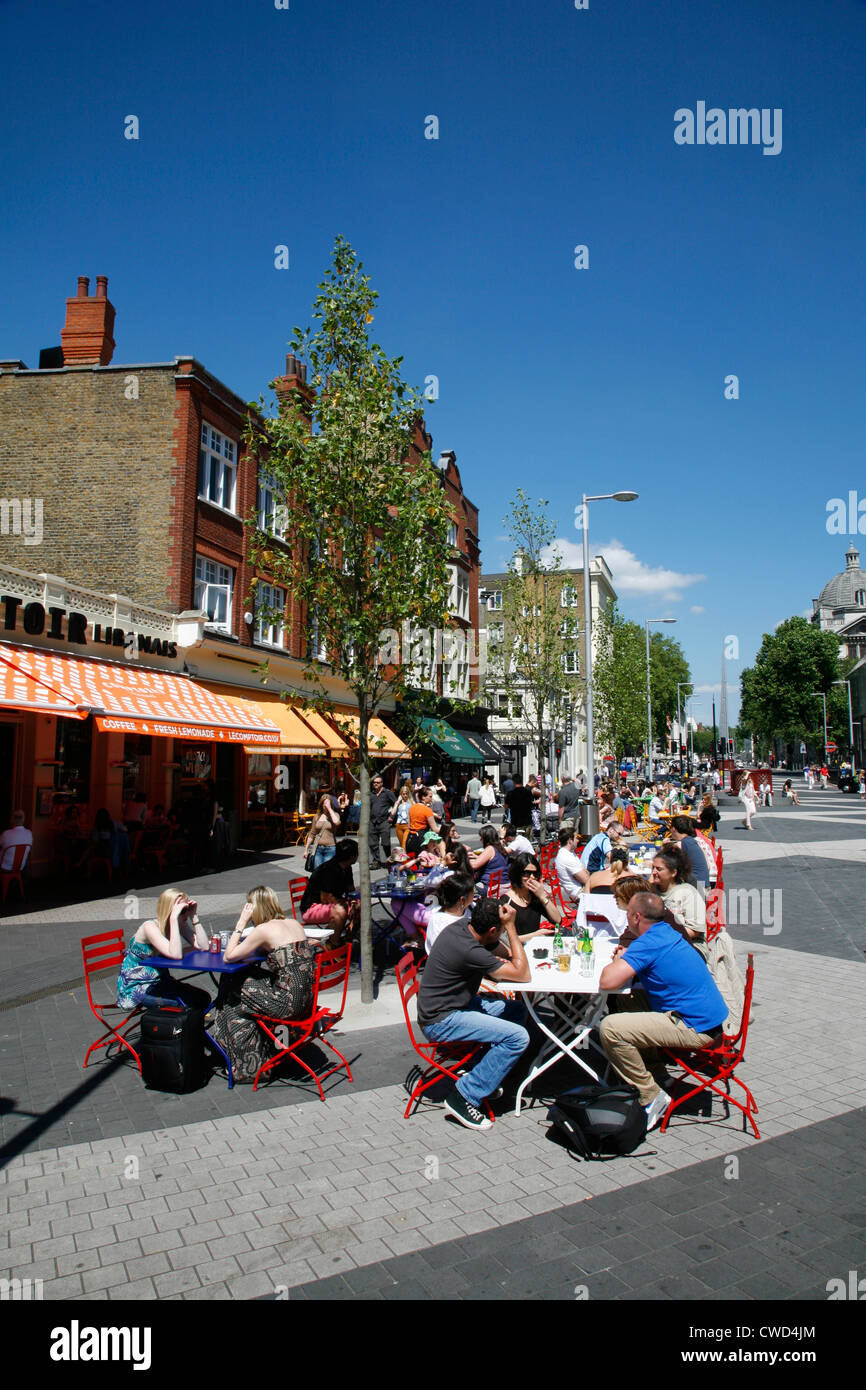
<point x="174" y="926"/>
<point x="280" y="988"/>
<point x="404" y="801"/>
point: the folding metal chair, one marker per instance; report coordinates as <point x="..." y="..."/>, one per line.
<point x="106" y="952"/>
<point x="297" y="889"/>
<point x="13" y="873"/>
<point x="332" y="970"/>
<point x="712" y="1067"/>
<point x="433" y="1054"/>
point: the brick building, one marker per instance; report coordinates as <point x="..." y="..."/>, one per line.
<point x="142" y="487"/>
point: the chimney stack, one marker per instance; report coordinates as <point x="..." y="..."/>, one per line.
<point x="86" y="335"/>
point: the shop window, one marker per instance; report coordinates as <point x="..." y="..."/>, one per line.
<point x="72" y="750"/>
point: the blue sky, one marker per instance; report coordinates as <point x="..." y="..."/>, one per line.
<point x="261" y="126"/>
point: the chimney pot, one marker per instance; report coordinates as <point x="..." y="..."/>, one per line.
<point x="83" y="286"/>
<point x="102" y="286"/>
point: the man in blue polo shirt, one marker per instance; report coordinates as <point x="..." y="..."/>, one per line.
<point x="687" y="1009"/>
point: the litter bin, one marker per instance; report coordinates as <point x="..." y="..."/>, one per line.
<point x="588" y="818"/>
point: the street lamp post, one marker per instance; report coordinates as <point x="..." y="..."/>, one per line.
<point x="679" y="724"/>
<point x="649" y="708"/>
<point x="587" y="623"/>
<point x="824" y="701"/>
<point x="850" y="724"/>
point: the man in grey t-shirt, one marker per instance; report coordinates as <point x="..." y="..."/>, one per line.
<point x="450" y="1009"/>
<point x="569" y="803"/>
<point x="473" y="795"/>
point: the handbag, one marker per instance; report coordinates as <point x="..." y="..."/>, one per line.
<point x="310" y="858"/>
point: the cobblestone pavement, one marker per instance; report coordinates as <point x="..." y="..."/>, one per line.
<point x="112" y="1191"/>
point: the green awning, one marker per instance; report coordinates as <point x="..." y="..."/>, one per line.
<point x="452" y="744"/>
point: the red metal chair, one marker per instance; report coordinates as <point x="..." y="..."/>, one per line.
<point x="297" y="889"/>
<point x="720" y="859"/>
<point x="568" y="913"/>
<point x="332" y="970"/>
<point x="715" y="913"/>
<point x="494" y="884"/>
<point x="434" y="1055"/>
<point x="100" y="953"/>
<point x="709" y="1066"/>
<point x="13" y="874"/>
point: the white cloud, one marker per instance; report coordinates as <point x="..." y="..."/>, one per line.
<point x="696" y="608"/>
<point x="631" y="577"/>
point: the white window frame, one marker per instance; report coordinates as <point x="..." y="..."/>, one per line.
<point x="271" y="633"/>
<point x="272" y="514"/>
<point x="453" y="534"/>
<point x="214" y="591"/>
<point x="571" y="663"/>
<point x="318" y="650"/>
<point x="569" y="628"/>
<point x="568" y="597"/>
<point x="459" y="600"/>
<point x="494" y="601"/>
<point x="217" y="468"/>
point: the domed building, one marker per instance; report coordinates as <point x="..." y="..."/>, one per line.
<point x="841" y="607"/>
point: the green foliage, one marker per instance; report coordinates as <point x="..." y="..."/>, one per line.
<point x="777" y="692"/>
<point x="528" y="664"/>
<point x="619" y="683"/>
<point x="668" y="665"/>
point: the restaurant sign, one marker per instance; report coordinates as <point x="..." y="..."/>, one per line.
<point x="59" y="624"/>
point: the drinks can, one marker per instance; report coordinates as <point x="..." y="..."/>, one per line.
<point x="215" y="945"/>
<point x="225" y="938"/>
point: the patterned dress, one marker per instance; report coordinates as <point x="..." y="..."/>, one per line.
<point x="281" y="988"/>
<point x="134" y="978"/>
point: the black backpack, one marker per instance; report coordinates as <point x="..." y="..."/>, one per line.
<point x="600" y="1121"/>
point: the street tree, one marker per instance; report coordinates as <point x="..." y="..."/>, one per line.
<point x="668" y="665"/>
<point x="532" y="663"/>
<point x="366" y="548"/>
<point x="619" y="682"/>
<point x="778" y="699"/>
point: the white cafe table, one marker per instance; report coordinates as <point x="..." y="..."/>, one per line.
<point x="574" y="1005"/>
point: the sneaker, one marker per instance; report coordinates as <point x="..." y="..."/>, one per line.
<point x="655" y="1111"/>
<point x="465" y="1113"/>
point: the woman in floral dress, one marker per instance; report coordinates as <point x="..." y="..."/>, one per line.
<point x="175" y="926"/>
<point x="280" y="988"/>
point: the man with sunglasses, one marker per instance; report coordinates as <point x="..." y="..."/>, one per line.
<point x="688" y="1010"/>
<point x="450" y="1009"/>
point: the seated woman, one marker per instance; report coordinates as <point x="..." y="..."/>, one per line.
<point x="489" y="858"/>
<point x="281" y="988"/>
<point x="455" y="895"/>
<point x="708" y="817"/>
<point x="669" y="877"/>
<point x="325" y="902"/>
<point x="616" y="864"/>
<point x="789" y="793"/>
<point x="175" y="925"/>
<point x="537" y="913"/>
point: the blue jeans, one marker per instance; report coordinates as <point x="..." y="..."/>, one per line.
<point x="322" y="855"/>
<point x="492" y="1021"/>
<point x="474" y="804"/>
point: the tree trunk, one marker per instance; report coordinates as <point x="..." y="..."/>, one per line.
<point x="366" y="928"/>
<point x="542" y="818"/>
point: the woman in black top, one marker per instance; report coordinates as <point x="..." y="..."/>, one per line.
<point x="531" y="898"/>
<point x="709" y="817"/>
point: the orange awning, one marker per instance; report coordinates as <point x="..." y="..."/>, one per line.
<point x="381" y="740"/>
<point x="134" y="699"/>
<point x="295" y="734"/>
<point x="335" y="746"/>
<point x="19" y="689"/>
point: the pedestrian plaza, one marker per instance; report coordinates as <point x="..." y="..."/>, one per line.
<point x="111" y="1191"/>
